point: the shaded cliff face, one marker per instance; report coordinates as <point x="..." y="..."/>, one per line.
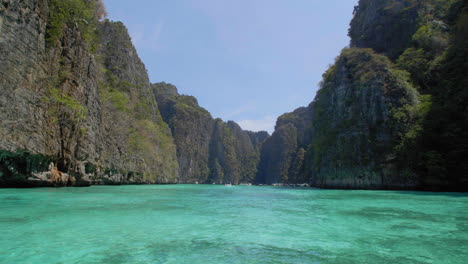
<point x="439" y="152"/>
<point x="282" y="154"/>
<point x="245" y="154"/>
<point x="208" y="150"/>
<point x="277" y="154"/>
<point x="45" y="93"/>
<point x="390" y="117"/>
<point x="77" y="107"/>
<point x="22" y="55"/>
<point x="385" y="26"/>
<point x="360" y="114"/>
<point x="191" y="127"/>
<point x="347" y="137"/>
<point x="136" y="143"/>
<point x="58" y="101"/>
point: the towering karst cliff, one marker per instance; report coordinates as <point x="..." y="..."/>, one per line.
<point x="208" y="150"/>
<point x="75" y="96"/>
<point x="282" y="154"/>
<point x="77" y="107"/>
<point x="389" y="112"/>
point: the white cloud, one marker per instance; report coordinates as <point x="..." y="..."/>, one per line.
<point x="265" y="124"/>
<point x="137" y="33"/>
<point x="154" y="39"/>
<point x="240" y="110"/>
<point x="146" y="37"/>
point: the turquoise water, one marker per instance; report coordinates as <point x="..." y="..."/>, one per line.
<point x="242" y="224"/>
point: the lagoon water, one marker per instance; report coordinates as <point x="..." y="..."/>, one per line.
<point x="242" y="224"/>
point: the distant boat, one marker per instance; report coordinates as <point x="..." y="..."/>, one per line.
<point x="228" y="185"/>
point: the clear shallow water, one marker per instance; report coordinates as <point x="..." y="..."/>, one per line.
<point x="242" y="224"/>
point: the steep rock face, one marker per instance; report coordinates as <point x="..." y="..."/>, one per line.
<point x="277" y="154"/>
<point x="22" y="50"/>
<point x="439" y="152"/>
<point x="22" y="38"/>
<point x="191" y="127"/>
<point x="348" y="137"/>
<point x="43" y="92"/>
<point x="282" y="154"/>
<point x="136" y="144"/>
<point x="55" y="117"/>
<point x="369" y="128"/>
<point x="360" y="115"/>
<point x="246" y="153"/>
<point x="385" y="26"/>
<point x="258" y="138"/>
<point x="435" y="146"/>
<point x="208" y="150"/>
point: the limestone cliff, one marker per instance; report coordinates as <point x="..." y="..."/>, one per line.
<point x="77" y="107"/>
<point x="136" y="143"/>
<point x="282" y="154"/>
<point x="359" y="117"/>
<point x="389" y="112"/>
<point x="191" y="127"/>
<point x="385" y="26"/>
<point x="208" y="150"/>
<point x="76" y="99"/>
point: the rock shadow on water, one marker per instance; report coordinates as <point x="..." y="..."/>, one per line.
<point x="428" y="193"/>
<point x="216" y="251"/>
<point x="386" y="213"/>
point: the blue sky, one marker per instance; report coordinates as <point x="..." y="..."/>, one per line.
<point x="244" y="60"/>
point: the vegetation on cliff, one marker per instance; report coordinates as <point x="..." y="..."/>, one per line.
<point x="439" y="151"/>
<point x="67" y="13"/>
<point x="208" y="150"/>
<point x="390" y="112"/>
<point x="133" y="127"/>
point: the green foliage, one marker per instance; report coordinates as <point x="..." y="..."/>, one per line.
<point x="60" y="100"/>
<point x="413" y="116"/>
<point x="217" y="172"/>
<point x="90" y="168"/>
<point x="277" y="155"/>
<point x="83" y="13"/>
<point x="392" y="24"/>
<point x="417" y="62"/>
<point x="63" y="107"/>
<point x="362" y="97"/>
<point x="296" y="171"/>
<point x="188" y="105"/>
<point x="147" y="142"/>
<point x="432" y="37"/>
<point x="117" y="98"/>
<point x="16" y="167"/>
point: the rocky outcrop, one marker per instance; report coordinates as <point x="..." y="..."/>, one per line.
<point x="60" y="102"/>
<point x="208" y="150"/>
<point x="23" y="169"/>
<point x="258" y="138"/>
<point x="439" y="151"/>
<point x="77" y="107"/>
<point x="360" y="115"/>
<point x="191" y="127"/>
<point x="282" y="154"/>
<point x="38" y="82"/>
<point x="382" y="116"/>
<point x="347" y="137"/>
<point x="136" y="144"/>
<point x="385" y="26"/>
<point x="22" y="75"/>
